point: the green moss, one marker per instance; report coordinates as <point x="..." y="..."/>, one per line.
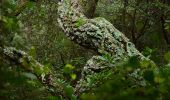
<point x="80" y="22"/>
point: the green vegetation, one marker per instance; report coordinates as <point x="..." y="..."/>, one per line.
<point x="80" y="22"/>
<point x="33" y="28"/>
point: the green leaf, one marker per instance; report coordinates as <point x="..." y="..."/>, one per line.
<point x="73" y="97"/>
<point x="158" y="79"/>
<point x="46" y="68"/>
<point x="133" y="62"/>
<point x="73" y="76"/>
<point x="147" y="51"/>
<point x="89" y="81"/>
<point x="167" y="56"/>
<point x="32" y="52"/>
<point x="38" y="70"/>
<point x="149" y="76"/>
<point x="9" y="22"/>
<point x="68" y="68"/>
<point x="144" y="63"/>
<point x="69" y="90"/>
<point x="53" y="98"/>
<point x="30" y="4"/>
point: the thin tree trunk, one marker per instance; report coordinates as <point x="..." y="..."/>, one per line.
<point x="124" y="15"/>
<point x="162" y="20"/>
<point x="89" y="7"/>
<point x="165" y="34"/>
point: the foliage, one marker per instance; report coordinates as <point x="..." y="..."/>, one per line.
<point x="118" y="84"/>
<point x="145" y="22"/>
<point x="12" y="76"/>
<point x="35" y="30"/>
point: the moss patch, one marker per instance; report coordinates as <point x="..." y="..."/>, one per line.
<point x="80" y="22"/>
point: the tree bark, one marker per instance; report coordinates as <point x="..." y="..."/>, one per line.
<point x="97" y="34"/>
<point x="28" y="64"/>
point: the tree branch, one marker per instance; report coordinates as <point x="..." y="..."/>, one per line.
<point x="43" y="73"/>
<point x="97" y="34"/>
<point x="21" y="5"/>
<point x="89" y="7"/>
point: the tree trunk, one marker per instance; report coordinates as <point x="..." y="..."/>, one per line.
<point x="97" y="34"/>
<point x="89" y="7"/>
